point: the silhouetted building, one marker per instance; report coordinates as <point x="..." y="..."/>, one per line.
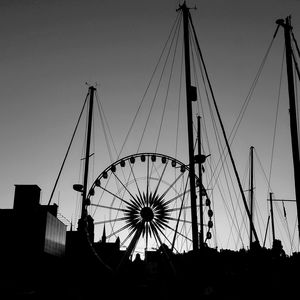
<point x="30" y="231"/>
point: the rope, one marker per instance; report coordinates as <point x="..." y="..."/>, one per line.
<point x="223" y="132"/>
<point x="276" y="118"/>
<point x="296" y="44"/>
<point x="67" y="153"/>
<point x="159" y="82"/>
<point x="168" y="88"/>
<point x="178" y="107"/>
<point x="148" y="86"/>
<point x="101" y="114"/>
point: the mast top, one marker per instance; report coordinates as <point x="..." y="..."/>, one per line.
<point x="183" y="6"/>
<point x="280" y="22"/>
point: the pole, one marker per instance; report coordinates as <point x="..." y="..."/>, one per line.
<point x="251" y="190"/>
<point x="201" y="235"/>
<point x="185" y="12"/>
<point x="272" y="218"/>
<point x="267" y="227"/>
<point x="225" y="138"/>
<point x="293" y="114"/>
<point x="81" y="222"/>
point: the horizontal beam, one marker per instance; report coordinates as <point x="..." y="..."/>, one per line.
<point x="280" y="200"/>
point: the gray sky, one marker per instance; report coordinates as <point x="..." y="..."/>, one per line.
<point x="49" y="49"/>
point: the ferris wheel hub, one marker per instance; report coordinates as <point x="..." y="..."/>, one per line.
<point x="147" y="214"/>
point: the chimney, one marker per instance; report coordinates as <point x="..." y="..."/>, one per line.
<point x="27" y="197"/>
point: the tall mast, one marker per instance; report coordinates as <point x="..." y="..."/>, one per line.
<point x="201" y="233"/>
<point x="81" y="222"/>
<point x="189" y="99"/>
<point x="293" y="115"/>
<point x="225" y="138"/>
<point x="251" y="190"/>
<point x="272" y="218"/>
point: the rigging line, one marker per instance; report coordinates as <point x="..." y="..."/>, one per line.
<point x="296" y="64"/>
<point x="218" y="139"/>
<point x="80" y="179"/>
<point x="282" y="224"/>
<point x="245" y="104"/>
<point x="297" y="102"/>
<point x="222" y="167"/>
<point x="107" y="124"/>
<point x="265" y="176"/>
<point x="179" y="97"/>
<point x="168" y="87"/>
<point x="295" y="41"/>
<point x="281" y="220"/>
<point x="287" y="225"/>
<point x="247" y="100"/>
<point x="148" y="86"/>
<point x="261" y="166"/>
<point x="158" y="86"/>
<point x="243" y="222"/>
<point x="104" y="122"/>
<point x="69" y="147"/>
<point x="276" y="119"/>
<point x="250" y="93"/>
<point x="225" y="168"/>
<point x="179" y="214"/>
<point x="225" y="136"/>
<point x="102" y="119"/>
<point x="201" y="104"/>
<point x="209" y="180"/>
<point x="293" y="236"/>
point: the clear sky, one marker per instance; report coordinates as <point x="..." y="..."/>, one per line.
<point x="50" y="49"/>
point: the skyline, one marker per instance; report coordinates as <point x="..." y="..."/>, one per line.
<point x="51" y="49"/>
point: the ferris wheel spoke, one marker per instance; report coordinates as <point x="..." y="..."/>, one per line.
<point x="132" y="245"/>
<point x="183" y="194"/>
<point x="163" y="234"/>
<point x="109" y="207"/>
<point x="170" y="186"/>
<point x="176" y="197"/>
<point x="147" y="237"/>
<point x="135" y="180"/>
<point x="100" y="198"/>
<point x="155" y="230"/>
<point x="182" y="221"/>
<point x="118" y="231"/>
<point x="126" y="189"/>
<point x="116" y="196"/>
<point x="110" y="221"/>
<point x="182" y="235"/>
<point x="160" y="178"/>
<point x="180" y="208"/>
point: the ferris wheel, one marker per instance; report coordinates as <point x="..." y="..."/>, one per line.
<point x="144" y="201"/>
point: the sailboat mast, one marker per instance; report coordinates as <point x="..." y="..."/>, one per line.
<point x="87" y="154"/>
<point x="293" y="115"/>
<point x="251" y="190"/>
<point x="186" y="36"/>
<point x="201" y="233"/>
<point x="225" y="138"/>
<point x="272" y="218"/>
